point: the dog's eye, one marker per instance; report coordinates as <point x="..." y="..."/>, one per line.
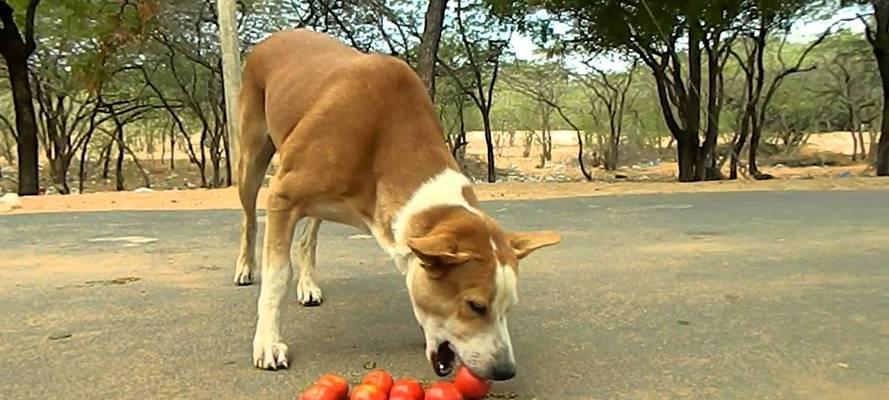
<point x="477" y="307"/>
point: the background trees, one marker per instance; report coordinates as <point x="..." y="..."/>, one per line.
<point x="104" y="87"/>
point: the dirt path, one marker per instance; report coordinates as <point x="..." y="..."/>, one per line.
<point x="228" y="198"/>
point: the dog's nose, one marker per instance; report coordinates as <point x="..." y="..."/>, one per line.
<point x="503" y="372"/>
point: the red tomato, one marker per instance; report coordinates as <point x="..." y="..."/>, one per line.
<point x="406" y="389"/>
<point x="367" y="392"/>
<point x="380" y="379"/>
<point x="471" y="386"/>
<point x="443" y="391"/>
<point x="337" y="383"/>
<point x="319" y="393"/>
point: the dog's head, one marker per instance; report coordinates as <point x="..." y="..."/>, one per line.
<point x="462" y="284"/>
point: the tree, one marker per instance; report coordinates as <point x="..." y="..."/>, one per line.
<point x="611" y="91"/>
<point x="231" y="71"/>
<point x="877" y="35"/>
<point x="652" y="31"/>
<point x="850" y="82"/>
<point x="16" y="48"/>
<point x="544" y="83"/>
<point x="764" y="20"/>
<point x="482" y="41"/>
<point x="183" y="69"/>
<point x="426" y="55"/>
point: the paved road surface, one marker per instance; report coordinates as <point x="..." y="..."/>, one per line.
<point x="708" y="296"/>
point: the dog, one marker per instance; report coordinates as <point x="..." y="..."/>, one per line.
<point x="360" y="144"/>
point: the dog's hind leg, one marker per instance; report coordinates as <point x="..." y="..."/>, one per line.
<point x="256" y="153"/>
<point x="307" y="291"/>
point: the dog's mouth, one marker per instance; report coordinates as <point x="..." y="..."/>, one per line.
<point x="443" y="359"/>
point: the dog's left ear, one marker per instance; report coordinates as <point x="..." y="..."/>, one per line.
<point x="525" y="243"/>
<point x="438" y="253"/>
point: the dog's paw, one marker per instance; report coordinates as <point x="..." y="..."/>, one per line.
<point x="244" y="274"/>
<point x="269" y="355"/>
<point x="308" y="293"/>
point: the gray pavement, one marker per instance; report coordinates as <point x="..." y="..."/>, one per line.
<point x="705" y="296"/>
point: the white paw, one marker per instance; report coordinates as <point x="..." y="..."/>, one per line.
<point x="308" y="293"/>
<point x="244" y="273"/>
<point x="269" y="355"/>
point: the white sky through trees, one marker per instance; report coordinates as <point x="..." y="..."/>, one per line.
<point x="524" y="48"/>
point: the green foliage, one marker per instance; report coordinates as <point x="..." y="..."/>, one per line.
<point x="149" y="52"/>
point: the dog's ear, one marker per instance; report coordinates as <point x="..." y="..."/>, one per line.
<point x="437" y="253"/>
<point x="525" y="243"/>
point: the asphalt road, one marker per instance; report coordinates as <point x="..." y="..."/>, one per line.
<point x="706" y="296"/>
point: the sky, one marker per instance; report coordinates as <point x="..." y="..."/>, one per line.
<point x="525" y="49"/>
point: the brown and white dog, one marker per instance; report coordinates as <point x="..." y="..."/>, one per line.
<point x="360" y="144"/>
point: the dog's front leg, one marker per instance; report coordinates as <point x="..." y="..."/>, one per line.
<point x="269" y="351"/>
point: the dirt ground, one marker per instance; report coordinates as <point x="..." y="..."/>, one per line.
<point x="209" y="199"/>
<point x="178" y="189"/>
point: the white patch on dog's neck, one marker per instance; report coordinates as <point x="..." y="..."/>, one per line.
<point x="443" y="189"/>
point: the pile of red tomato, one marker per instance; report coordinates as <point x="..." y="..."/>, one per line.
<point x="379" y="385"/>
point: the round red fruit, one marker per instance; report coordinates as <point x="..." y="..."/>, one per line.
<point x="319" y="393"/>
<point x="443" y="391"/>
<point x="367" y="392"/>
<point x="337" y="383"/>
<point x="407" y="389"/>
<point x="471" y="386"/>
<point x="380" y="379"/>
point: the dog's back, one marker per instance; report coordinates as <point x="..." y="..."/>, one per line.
<point x="298" y="72"/>
<point x="339" y="116"/>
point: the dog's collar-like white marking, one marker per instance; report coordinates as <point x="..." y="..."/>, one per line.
<point x="443" y="189"/>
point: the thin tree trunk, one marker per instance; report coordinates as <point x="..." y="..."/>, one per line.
<point x="163" y="141"/>
<point x="428" y="50"/>
<point x="492" y="170"/>
<point x="106" y="159"/>
<point x="172" y="148"/>
<point x="119" y="171"/>
<point x="863" y="147"/>
<point x="84" y="155"/>
<point x="854" y="146"/>
<point x="850" y="114"/>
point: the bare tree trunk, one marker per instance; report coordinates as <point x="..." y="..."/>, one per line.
<point x="611" y="153"/>
<point x="84" y="156"/>
<point x="203" y="166"/>
<point x="689" y="148"/>
<point x="59" y="172"/>
<point x="106" y="159"/>
<point x="26" y="125"/>
<point x="851" y="116"/>
<point x="854" y="145"/>
<point x="863" y="147"/>
<point x="163" y="141"/>
<point x="231" y="72"/>
<point x="492" y="169"/>
<point x="426" y="54"/>
<point x="119" y="171"/>
<point x="879" y="39"/>
<point x="527" y="142"/>
<point x="459" y="151"/>
<point x="16" y="49"/>
<point x="172" y="148"/>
